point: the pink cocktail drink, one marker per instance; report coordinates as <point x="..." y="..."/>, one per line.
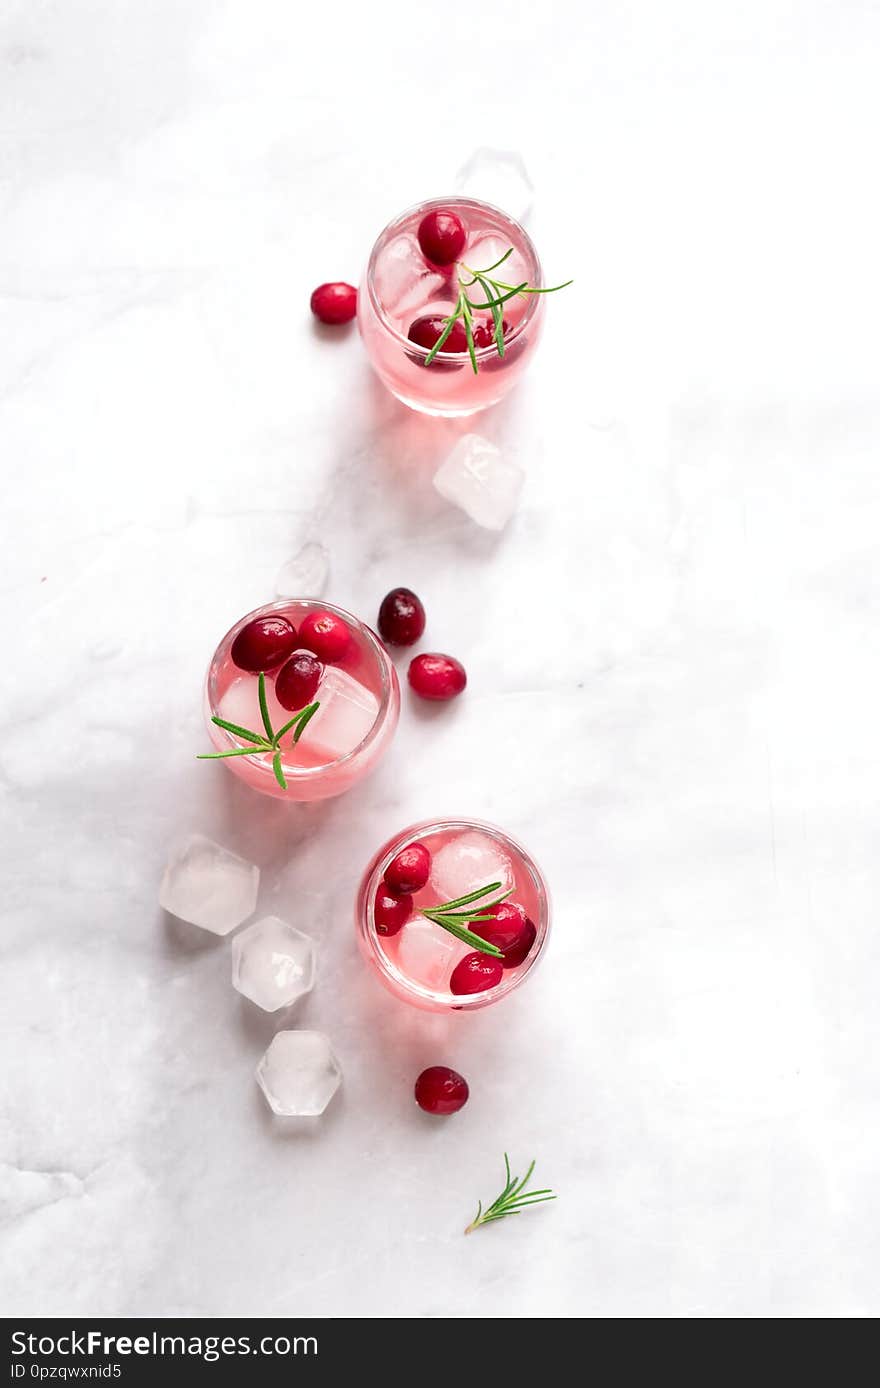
<point x="402" y="292"/>
<point x="320" y="666"/>
<point x="422" y="961"/>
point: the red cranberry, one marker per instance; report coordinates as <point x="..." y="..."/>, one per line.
<point x="391" y="913"/>
<point x="297" y="682"/>
<point x="484" y="333"/>
<point x="401" y="617"/>
<point x="435" y="676"/>
<point x="334" y="303"/>
<point x="263" y="644"/>
<point x="441" y="237"/>
<point x="475" y="973"/>
<point x="510" y="930"/>
<point x="409" y="870"/>
<point x="326" y="635"/>
<point x="441" y="1090"/>
<point x="425" y="331"/>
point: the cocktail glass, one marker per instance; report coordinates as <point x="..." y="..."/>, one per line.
<point x="359" y="700"/>
<point x="399" y="286"/>
<point x="416" y="963"/>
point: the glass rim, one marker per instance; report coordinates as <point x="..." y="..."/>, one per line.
<point x="395" y="977"/>
<point x="302" y="773"/>
<point x="454" y="200"/>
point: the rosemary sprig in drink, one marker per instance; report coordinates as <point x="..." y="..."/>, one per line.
<point x="512" y="1199"/>
<point x="496" y="293"/>
<point x="269" y="741"/>
<point x="456" y="915"/>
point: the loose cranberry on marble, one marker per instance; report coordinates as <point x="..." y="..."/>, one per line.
<point x="391" y="912"/>
<point x="334" y="303"/>
<point x="441" y="236"/>
<point x="401" y="617"/>
<point x="435" y="676"/>
<point x="263" y="643"/>
<point x="326" y="635"/>
<point x="297" y="681"/>
<point x="408" y="870"/>
<point x="475" y="974"/>
<point x="441" y="1090"/>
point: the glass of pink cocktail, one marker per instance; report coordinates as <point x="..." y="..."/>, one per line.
<point x="452" y="914"/>
<point x="301" y="700"/>
<point x="406" y="296"/>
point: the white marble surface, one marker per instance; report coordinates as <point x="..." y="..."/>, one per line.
<point x="673" y="655"/>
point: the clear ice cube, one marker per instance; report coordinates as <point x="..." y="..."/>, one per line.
<point x="346" y="714"/>
<point x="486" y="251"/>
<point x="273" y="963"/>
<point x="400" y="266"/>
<point x="209" y="886"/>
<point x="498" y="176"/>
<point x="425" y="290"/>
<point x="241" y="704"/>
<point x="427" y="953"/>
<point x="470" y="861"/>
<point x="299" y="1074"/>
<point x="478" y="478"/>
<point x="306" y="574"/>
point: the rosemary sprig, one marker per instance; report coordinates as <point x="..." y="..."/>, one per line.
<point x="497" y="293"/>
<point x="269" y="741"/>
<point x="512" y="1199"/>
<point x="455" y="916"/>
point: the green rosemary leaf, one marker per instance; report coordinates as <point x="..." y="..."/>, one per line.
<point x="264" y="707"/>
<point x="505" y="256"/>
<point x="279" y="771"/>
<point x="239" y="732"/>
<point x="469" y="334"/>
<point x="471" y="896"/>
<point x="450" y="324"/>
<point x="529" y="1198"/>
<point x="304" y="719"/>
<point x="466" y="936"/>
<point x="524" y="1180"/>
<point x="513" y="290"/>
<point x="497" y="316"/>
<point x="236" y="752"/>
<point x="528" y="289"/>
<point x="287" y="727"/>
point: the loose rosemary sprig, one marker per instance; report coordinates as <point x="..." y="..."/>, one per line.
<point x="454" y="916"/>
<point x="497" y="292"/>
<point x="271" y="742"/>
<point x="512" y="1199"/>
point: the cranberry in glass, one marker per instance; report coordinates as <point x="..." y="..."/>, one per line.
<point x="435" y="676"/>
<point x="334" y="303"/>
<point x="441" y="1090"/>
<point x="510" y="930"/>
<point x="263" y="643"/>
<point x="297" y="681"/>
<point x="425" y="332"/>
<point x="390" y="912"/>
<point x="401" y="617"/>
<point x="475" y="974"/>
<point x="441" y="237"/>
<point x="409" y="870"/>
<point x="484" y="333"/>
<point x="326" y="635"/>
